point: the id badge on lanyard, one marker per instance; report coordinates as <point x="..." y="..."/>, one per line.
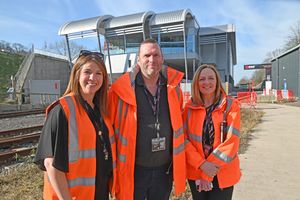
<point x="158" y="143"/>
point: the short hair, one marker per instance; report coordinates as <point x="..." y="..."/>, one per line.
<point x="100" y="97"/>
<point x="149" y="41"/>
<point x="197" y="97"/>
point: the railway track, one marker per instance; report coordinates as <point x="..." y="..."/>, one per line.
<point x="18" y="142"/>
<point x="11" y="142"/>
<point x="21" y="113"/>
<point x="19" y="131"/>
<point x="13" y="154"/>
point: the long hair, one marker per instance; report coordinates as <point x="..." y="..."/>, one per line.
<point x="197" y="97"/>
<point x="73" y="87"/>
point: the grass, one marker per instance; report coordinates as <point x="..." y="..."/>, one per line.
<point x="9" y="65"/>
<point x="22" y="182"/>
<point x="26" y="181"/>
<point x="249" y="119"/>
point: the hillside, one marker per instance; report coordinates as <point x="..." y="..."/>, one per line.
<point x="9" y="65"/>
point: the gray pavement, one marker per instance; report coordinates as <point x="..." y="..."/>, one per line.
<point x="271" y="164"/>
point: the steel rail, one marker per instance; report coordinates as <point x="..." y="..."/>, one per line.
<point x="21" y="139"/>
<point x="21" y="130"/>
<point x="21" y="113"/>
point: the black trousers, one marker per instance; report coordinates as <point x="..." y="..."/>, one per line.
<point x="102" y="190"/>
<point x="152" y="183"/>
<point x="215" y="194"/>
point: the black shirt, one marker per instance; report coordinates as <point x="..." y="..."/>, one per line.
<point x="145" y="126"/>
<point x="54" y="143"/>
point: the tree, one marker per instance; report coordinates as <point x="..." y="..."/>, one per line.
<point x="6" y="46"/>
<point x="293" y="37"/>
<point x="292" y="40"/>
<point x="272" y="54"/>
<point x="60" y="47"/>
<point x="243" y="80"/>
<point x="258" y="76"/>
<point x="19" y="48"/>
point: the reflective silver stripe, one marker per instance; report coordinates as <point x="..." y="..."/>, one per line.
<point x="117" y="130"/>
<point x="120" y="106"/>
<point x="126" y="110"/>
<point x="228" y="106"/>
<point x="185" y="126"/>
<point x="177" y="89"/>
<point x="192" y="136"/>
<point x="229" y="103"/>
<point x="187" y="120"/>
<point x="73" y="146"/>
<point x="81" y="182"/>
<point x="112" y="139"/>
<point x="178" y="132"/>
<point x="189" y="114"/>
<point x="114" y="165"/>
<point x="122" y="158"/>
<point x="233" y="131"/>
<point x="222" y="156"/>
<point x="89" y="153"/>
<point x="178" y="149"/>
<point x="195" y="137"/>
<point x="120" y="136"/>
<point x="132" y="75"/>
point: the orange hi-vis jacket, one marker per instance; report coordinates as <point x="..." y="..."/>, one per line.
<point x="123" y="109"/>
<point x="224" y="153"/>
<point x="82" y="152"/>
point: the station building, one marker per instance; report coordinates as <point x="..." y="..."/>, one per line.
<point x="184" y="43"/>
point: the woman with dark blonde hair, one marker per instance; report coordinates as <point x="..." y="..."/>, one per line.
<point x="76" y="148"/>
<point x="212" y="123"/>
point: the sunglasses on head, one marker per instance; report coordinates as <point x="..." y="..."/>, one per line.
<point x="87" y="53"/>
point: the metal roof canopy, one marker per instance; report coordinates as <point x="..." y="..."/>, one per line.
<point x="128" y="20"/>
<point x="128" y="24"/>
<point x="170" y="17"/>
<point x="89" y="27"/>
<point x="173" y="21"/>
<point x="84" y="28"/>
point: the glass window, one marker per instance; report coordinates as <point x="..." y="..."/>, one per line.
<point x="174" y="43"/>
<point x="170" y="42"/>
<point x="191" y="39"/>
<point x="133" y="42"/>
<point x="116" y="45"/>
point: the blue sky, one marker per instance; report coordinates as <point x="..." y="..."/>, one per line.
<point x="261" y="25"/>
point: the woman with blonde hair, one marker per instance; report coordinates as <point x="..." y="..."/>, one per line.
<point x="76" y="148"/>
<point x="212" y="123"/>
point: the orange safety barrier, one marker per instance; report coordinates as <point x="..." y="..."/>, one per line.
<point x="282" y="95"/>
<point x="249" y="98"/>
<point x="291" y="96"/>
<point x="279" y="96"/>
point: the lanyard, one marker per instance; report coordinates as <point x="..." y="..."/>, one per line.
<point x="154" y="104"/>
<point x="99" y="127"/>
<point x="154" y="100"/>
